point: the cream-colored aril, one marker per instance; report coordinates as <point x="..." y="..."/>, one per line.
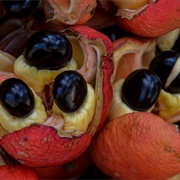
<point x="35" y="78"/>
<point x="118" y="107"/>
<point x="81" y="118"/>
<point x="11" y="123"/>
<point x="168" y="104"/>
<point x="2" y="131"/>
<point x="167" y="41"/>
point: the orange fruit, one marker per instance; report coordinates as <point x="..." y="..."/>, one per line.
<point x="137" y="145"/>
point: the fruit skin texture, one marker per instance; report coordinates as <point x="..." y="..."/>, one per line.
<point x="17" y="172"/>
<point x="38" y="145"/>
<point x="155" y="20"/>
<point x="69" y="12"/>
<point x="137" y="145"/>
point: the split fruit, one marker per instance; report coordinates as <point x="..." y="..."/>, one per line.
<point x="131" y="92"/>
<point x="61" y="90"/>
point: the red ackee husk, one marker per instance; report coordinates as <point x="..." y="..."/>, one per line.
<point x="17" y="172"/>
<point x="137" y="145"/>
<point x="157" y="19"/>
<point x="40" y="145"/>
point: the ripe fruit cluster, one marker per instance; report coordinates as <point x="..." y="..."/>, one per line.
<point x="89" y="81"/>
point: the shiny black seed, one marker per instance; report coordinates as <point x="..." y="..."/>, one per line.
<point x="69" y="91"/>
<point x="48" y="50"/>
<point x="20" y="8"/>
<point x="141" y="89"/>
<point x="162" y="65"/>
<point x="16" y="97"/>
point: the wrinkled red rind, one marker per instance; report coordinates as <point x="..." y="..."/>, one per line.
<point x="157" y="19"/>
<point x="107" y="68"/>
<point x="107" y="88"/>
<point x="17" y="172"/>
<point x="39" y="145"/>
<point x="137" y="145"/>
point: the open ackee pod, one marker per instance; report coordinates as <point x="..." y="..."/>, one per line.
<point x="130" y="54"/>
<point x="48" y="136"/>
<point x="135" y="143"/>
<point x="149" y="18"/>
<point x="69" y="12"/>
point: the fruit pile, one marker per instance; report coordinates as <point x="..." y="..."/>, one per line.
<point x="90" y="89"/>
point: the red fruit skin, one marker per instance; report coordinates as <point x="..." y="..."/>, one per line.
<point x="107" y="91"/>
<point x="157" y="19"/>
<point x="137" y="146"/>
<point x="17" y="172"/>
<point x="72" y="169"/>
<point x="107" y="66"/>
<point x="39" y="145"/>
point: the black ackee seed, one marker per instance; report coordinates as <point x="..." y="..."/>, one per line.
<point x="141" y="89"/>
<point x="69" y="91"/>
<point x="48" y="50"/>
<point x="162" y="65"/>
<point x="16" y="97"/>
<point x="20" y="8"/>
